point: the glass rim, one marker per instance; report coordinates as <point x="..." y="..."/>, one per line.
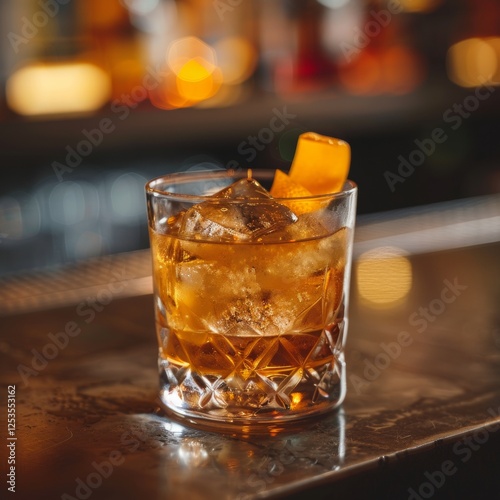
<point x="152" y="189"/>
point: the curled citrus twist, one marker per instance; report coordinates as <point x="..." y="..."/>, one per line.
<point x="320" y="166"/>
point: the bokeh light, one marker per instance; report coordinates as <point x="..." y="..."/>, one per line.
<point x="67" y="203"/>
<point x="384" y="276"/>
<point x="474" y="62"/>
<point x="127" y="197"/>
<point x="192" y="76"/>
<point x="198" y="81"/>
<point x="184" y="50"/>
<point x="20" y="217"/>
<point x="57" y="88"/>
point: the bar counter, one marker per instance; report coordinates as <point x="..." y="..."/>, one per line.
<point x="421" y="418"/>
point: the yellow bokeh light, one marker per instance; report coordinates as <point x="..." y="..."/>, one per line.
<point x="184" y="50"/>
<point x="384" y="276"/>
<point x="196" y="83"/>
<point x="194" y="72"/>
<point x="237" y="59"/>
<point x="58" y="88"/>
<point x="473" y="62"/>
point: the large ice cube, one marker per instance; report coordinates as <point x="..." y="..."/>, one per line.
<point x="243" y="189"/>
<point x="244" y="211"/>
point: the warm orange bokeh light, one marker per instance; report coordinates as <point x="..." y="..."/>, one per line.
<point x="196" y="82"/>
<point x="192" y="76"/>
<point x="474" y="62"/>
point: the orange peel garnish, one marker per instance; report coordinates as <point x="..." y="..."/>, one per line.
<point x="285" y="187"/>
<point x="321" y="163"/>
<point x="320" y="166"/>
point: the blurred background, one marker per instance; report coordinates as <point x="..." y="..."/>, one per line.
<point x="97" y="97"/>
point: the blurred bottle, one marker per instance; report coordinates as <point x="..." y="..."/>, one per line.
<point x="313" y="69"/>
<point x="378" y="56"/>
<point x="293" y="55"/>
<point x="112" y="43"/>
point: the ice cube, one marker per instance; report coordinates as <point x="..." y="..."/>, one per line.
<point x="314" y="225"/>
<point x="220" y="218"/>
<point x="243" y="189"/>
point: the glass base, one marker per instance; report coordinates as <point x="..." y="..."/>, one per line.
<point x="265" y="406"/>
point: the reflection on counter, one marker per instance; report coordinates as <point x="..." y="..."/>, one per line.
<point x="239" y="460"/>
